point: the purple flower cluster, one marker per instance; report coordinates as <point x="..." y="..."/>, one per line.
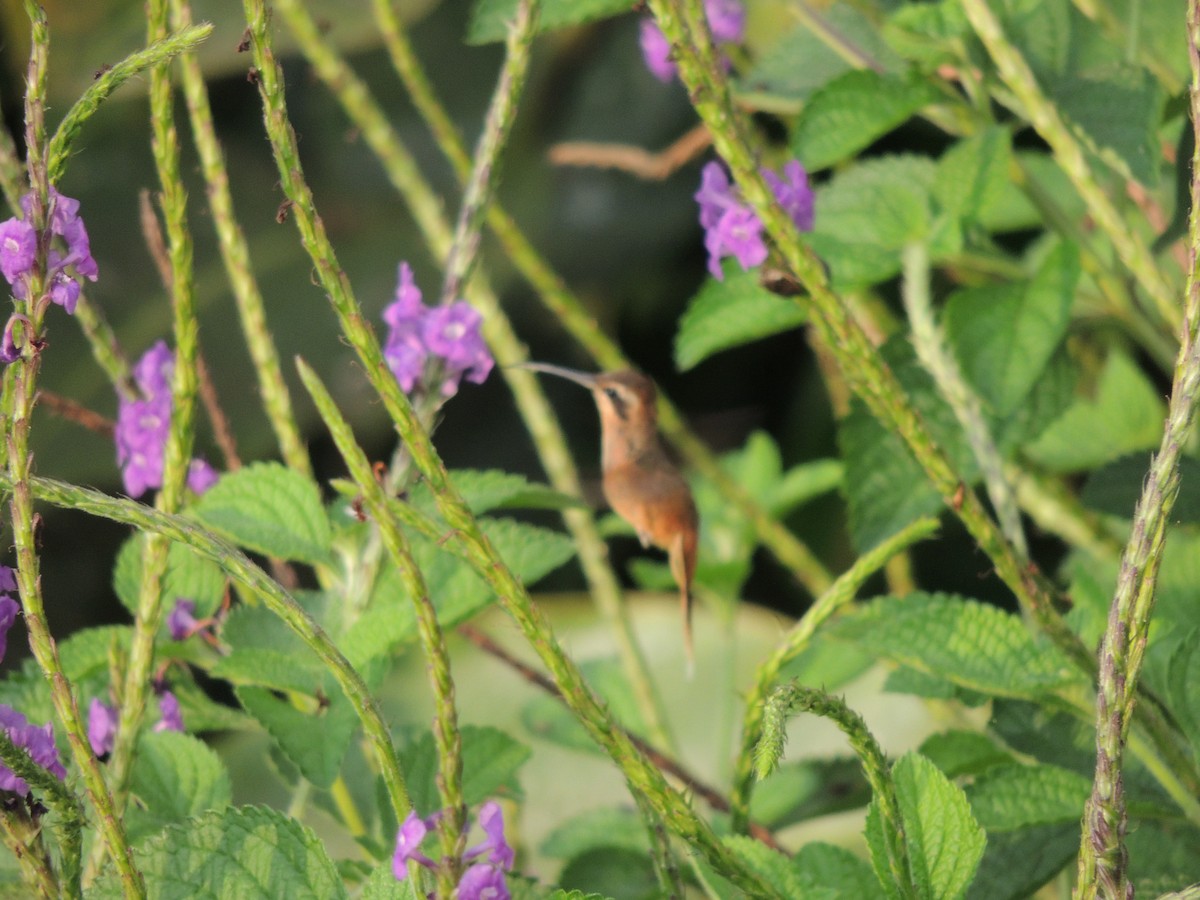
<point x="102" y="721"/>
<point x="726" y="20"/>
<point x="38" y="740"/>
<point x="482" y="880"/>
<point x="417" y="332"/>
<point x="18" y="251"/>
<point x="143" y="426"/>
<point x="731" y="227"/>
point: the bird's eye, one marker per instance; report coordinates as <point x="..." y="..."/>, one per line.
<point x="612" y="394"/>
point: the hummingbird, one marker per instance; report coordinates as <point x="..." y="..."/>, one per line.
<point x="641" y="483"/>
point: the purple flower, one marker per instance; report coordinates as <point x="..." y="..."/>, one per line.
<point x="408" y="845"/>
<point x="8" y="614"/>
<point x="201" y="476"/>
<point x="656" y="51"/>
<point x="144" y="424"/>
<point x="491" y="820"/>
<point x="8" y="580"/>
<point x="417" y="332"/>
<point x="483" y="882"/>
<point x="102" y="726"/>
<point x="731" y="227"/>
<point x="181" y="623"/>
<point x="38" y="740"/>
<point x="168" y="708"/>
<point x="18" y="246"/>
<point x="726" y="20"/>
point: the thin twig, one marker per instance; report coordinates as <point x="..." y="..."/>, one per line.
<point x="633" y="159"/>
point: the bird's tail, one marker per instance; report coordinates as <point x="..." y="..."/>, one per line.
<point x="685" y="599"/>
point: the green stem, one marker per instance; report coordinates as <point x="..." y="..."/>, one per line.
<point x="930" y="344"/>
<point x="235" y="255"/>
<point x="1102" y="854"/>
<point x="447" y="737"/>
<point x="20" y="393"/>
<point x="795" y="642"/>
<point x="178" y="451"/>
<point x="484" y="178"/>
<point x="253" y="579"/>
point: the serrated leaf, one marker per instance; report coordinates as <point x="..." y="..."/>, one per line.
<point x="1115" y="488"/>
<point x="868" y="213"/>
<point x="456" y="591"/>
<point x="1017" y="863"/>
<point x="959" y="752"/>
<point x="188" y="575"/>
<point x="315" y="741"/>
<point x="877" y="846"/>
<point x="613" y="871"/>
<point x="1184" y="681"/>
<point x="490" y="18"/>
<point x="382" y="885"/>
<point x="1117" y="113"/>
<point x="852" y="111"/>
<point x="491" y="759"/>
<point x="1004" y="335"/>
<point x="485" y="490"/>
<point x="233" y="854"/>
<point x="904" y="680"/>
<point x="971" y="644"/>
<point x="1126" y="415"/>
<point x="730" y="313"/>
<point x="270" y="509"/>
<point x="801" y="61"/>
<point x="773" y="868"/>
<point x="972" y="175"/>
<point x="944" y="842"/>
<point x="597" y="828"/>
<point x="264" y="652"/>
<point x="1016" y="796"/>
<point x="177" y="776"/>
<point x="829" y="866"/>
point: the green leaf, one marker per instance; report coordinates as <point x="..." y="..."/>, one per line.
<point x="730" y="313"/>
<point x="904" y="680"/>
<point x="773" y="868"/>
<point x="1004" y="335"/>
<point x="958" y="752"/>
<point x="1184" y="682"/>
<point x="266" y="653"/>
<point x="457" y="592"/>
<point x="315" y="740"/>
<point x="971" y="644"/>
<point x="851" y="112"/>
<point x="1017" y="863"/>
<point x="1115" y="488"/>
<point x="877" y="846"/>
<point x="944" y="841"/>
<point x="270" y="509"/>
<point x="233" y="854"/>
<point x="1116" y="112"/>
<point x="1015" y="796"/>
<point x="485" y="490"/>
<point x="800" y="62"/>
<point x="382" y="885"/>
<point x="490" y="18"/>
<point x="1125" y="415"/>
<point x="177" y="776"/>
<point x="597" y="828"/>
<point x="868" y="213"/>
<point x="188" y="575"/>
<point x="808" y="789"/>
<point x="830" y="866"/>
<point x="548" y="719"/>
<point x="612" y="872"/>
<point x="971" y="176"/>
<point x="804" y="482"/>
<point x="490" y="762"/>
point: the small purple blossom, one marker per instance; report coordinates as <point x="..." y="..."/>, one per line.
<point x="417" y="332"/>
<point x="408" y="845"/>
<point x="38" y="740"/>
<point x="731" y="227"/>
<point x="172" y="716"/>
<point x="9" y="608"/>
<point x="182" y="621"/>
<point x="201" y="476"/>
<point x="102" y="726"/>
<point x="726" y="20"/>
<point x="18" y="251"/>
<point x="143" y="426"/>
<point x="8" y="580"/>
<point x="481" y="881"/>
